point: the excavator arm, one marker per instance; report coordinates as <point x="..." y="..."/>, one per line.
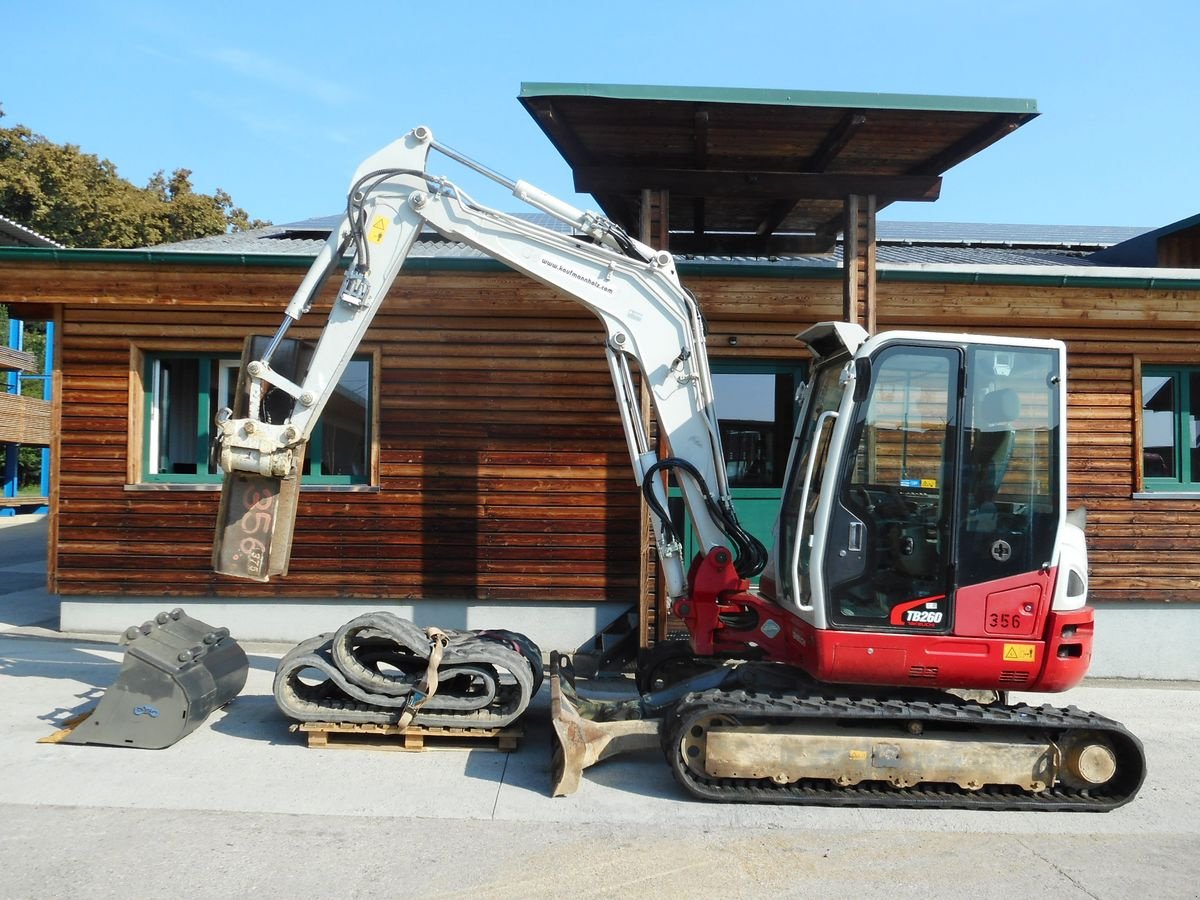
<point x="650" y="322"/>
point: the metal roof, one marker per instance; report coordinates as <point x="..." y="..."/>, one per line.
<point x="15" y="234"/>
<point x="760" y="171"/>
<point x="954" y="260"/>
<point x="898" y="243"/>
<point x="1062" y="236"/>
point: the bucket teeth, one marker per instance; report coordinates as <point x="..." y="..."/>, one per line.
<point x="587" y="731"/>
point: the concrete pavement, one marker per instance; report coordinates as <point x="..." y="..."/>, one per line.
<point x="242" y="807"/>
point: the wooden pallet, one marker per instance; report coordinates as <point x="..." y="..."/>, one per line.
<point x="353" y="735"/>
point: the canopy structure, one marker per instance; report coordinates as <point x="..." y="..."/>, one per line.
<point x="717" y="171"/>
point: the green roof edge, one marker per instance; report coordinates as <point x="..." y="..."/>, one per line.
<point x="249" y="260"/>
<point x="778" y="97"/>
<point x="688" y="268"/>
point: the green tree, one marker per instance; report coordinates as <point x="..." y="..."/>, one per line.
<point x="80" y="200"/>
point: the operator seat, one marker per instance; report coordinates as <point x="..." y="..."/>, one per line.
<point x="992" y="443"/>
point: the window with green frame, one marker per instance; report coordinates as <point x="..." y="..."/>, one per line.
<point x="756" y="413"/>
<point x="756" y="410"/>
<point x="1171" y="428"/>
<point x="184" y="391"/>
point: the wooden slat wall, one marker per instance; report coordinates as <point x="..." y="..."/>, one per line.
<point x="1181" y="248"/>
<point x="504" y="471"/>
<point x="1140" y="549"/>
<point x="503" y="468"/>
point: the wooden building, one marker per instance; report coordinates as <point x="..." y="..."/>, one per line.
<point x="472" y="471"/>
<point x="24" y="420"/>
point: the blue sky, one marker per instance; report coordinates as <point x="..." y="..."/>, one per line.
<point x="277" y="103"/>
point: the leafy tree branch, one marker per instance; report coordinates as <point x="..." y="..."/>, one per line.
<point x="80" y="200"/>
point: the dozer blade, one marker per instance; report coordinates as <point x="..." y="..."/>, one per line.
<point x="175" y="672"/>
<point x="580" y="742"/>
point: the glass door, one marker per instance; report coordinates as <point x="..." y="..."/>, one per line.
<point x="756" y="411"/>
<point x="887" y="559"/>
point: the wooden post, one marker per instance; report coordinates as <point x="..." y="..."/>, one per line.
<point x="858" y="262"/>
<point x="850" y="260"/>
<point x="655" y="231"/>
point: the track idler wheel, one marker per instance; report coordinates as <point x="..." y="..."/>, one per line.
<point x="1088" y="761"/>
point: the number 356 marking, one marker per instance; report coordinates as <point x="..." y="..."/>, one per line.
<point x="1004" y="622"/>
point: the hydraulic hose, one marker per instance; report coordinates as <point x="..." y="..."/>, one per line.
<point x="750" y="556"/>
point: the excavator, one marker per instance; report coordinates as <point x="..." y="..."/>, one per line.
<point x="924" y="561"/>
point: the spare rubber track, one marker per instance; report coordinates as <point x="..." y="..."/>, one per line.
<point x="366" y="672"/>
<point x="749" y="708"/>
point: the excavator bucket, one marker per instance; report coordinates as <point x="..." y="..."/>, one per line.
<point x="258" y="512"/>
<point x="175" y="672"/>
<point x="587" y="731"/>
<point x="254" y="525"/>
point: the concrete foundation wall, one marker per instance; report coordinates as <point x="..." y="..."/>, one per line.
<point x="1133" y="641"/>
<point x="1141" y="641"/>
<point x="552" y="626"/>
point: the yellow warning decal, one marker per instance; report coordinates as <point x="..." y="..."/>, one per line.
<point x="378" y="229"/>
<point x="929" y="483"/>
<point x="859" y="754"/>
<point x="1020" y="652"/>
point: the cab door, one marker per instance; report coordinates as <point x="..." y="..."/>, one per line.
<point x="888" y="550"/>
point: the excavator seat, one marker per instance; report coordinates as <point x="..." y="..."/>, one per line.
<point x="992" y="444"/>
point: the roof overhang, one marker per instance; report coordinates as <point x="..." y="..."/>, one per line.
<point x="760" y="171"/>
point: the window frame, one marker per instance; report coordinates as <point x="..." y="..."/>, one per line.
<point x="797" y="370"/>
<point x="141" y="419"/>
<point x="1185" y="481"/>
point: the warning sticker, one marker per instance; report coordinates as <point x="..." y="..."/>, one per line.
<point x="1020" y="652"/>
<point x="378" y="230"/>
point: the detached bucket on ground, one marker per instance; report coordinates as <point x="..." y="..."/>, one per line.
<point x="176" y="671"/>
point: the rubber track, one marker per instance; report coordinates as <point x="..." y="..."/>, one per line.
<point x="487" y="678"/>
<point x="749" y="708"/>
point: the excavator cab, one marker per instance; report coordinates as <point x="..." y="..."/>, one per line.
<point x="925" y="502"/>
